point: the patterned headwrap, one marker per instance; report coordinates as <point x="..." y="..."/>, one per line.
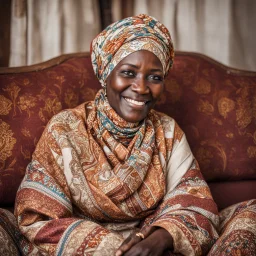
<point x="126" y="36"/>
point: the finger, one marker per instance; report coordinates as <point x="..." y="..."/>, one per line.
<point x="154" y="244"/>
<point x="148" y="230"/>
<point x="119" y="251"/>
<point x="126" y="240"/>
<point x="128" y="244"/>
<point x="133" y="240"/>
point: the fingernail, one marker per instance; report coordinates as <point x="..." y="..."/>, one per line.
<point x="118" y="253"/>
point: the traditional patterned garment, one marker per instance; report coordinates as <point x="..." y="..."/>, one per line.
<point x="238" y="230"/>
<point x="129" y="35"/>
<point x="84" y="191"/>
<point x="95" y="178"/>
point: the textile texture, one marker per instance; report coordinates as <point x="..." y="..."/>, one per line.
<point x="238" y="231"/>
<point x="85" y="191"/>
<point x="129" y="35"/>
<point x="12" y="242"/>
<point x="197" y="93"/>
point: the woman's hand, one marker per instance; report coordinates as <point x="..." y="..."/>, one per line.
<point x="156" y="241"/>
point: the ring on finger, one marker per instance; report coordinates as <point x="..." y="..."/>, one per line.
<point x="140" y="235"/>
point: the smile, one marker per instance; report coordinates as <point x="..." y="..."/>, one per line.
<point x="135" y="102"/>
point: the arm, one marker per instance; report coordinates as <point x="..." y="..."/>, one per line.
<point x="44" y="205"/>
<point x="187" y="211"/>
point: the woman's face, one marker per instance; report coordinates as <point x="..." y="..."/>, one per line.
<point x="135" y="84"/>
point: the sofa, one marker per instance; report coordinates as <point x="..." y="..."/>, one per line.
<point x="214" y="104"/>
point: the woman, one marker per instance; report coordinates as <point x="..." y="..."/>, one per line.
<point x="113" y="176"/>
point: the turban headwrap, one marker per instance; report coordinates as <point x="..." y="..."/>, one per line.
<point x="126" y="36"/>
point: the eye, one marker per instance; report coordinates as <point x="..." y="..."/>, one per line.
<point x="128" y="73"/>
<point x="156" y="78"/>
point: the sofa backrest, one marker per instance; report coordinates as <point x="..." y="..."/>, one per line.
<point x="214" y="105"/>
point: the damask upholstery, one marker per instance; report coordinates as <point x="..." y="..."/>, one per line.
<point x="214" y="105"/>
<point x="27" y="101"/>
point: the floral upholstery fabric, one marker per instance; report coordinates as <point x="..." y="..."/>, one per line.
<point x="216" y="109"/>
<point x="238" y="231"/>
<point x="198" y="94"/>
<point x="27" y="102"/>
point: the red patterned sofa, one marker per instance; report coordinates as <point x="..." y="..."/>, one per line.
<point x="215" y="105"/>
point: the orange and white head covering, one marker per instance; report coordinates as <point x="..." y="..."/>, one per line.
<point x="126" y="36"/>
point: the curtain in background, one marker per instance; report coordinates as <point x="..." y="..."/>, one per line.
<point x="43" y="29"/>
<point x="222" y="29"/>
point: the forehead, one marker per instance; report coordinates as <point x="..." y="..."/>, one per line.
<point x="142" y="58"/>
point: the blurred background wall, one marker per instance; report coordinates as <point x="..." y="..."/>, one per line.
<point x="32" y="31"/>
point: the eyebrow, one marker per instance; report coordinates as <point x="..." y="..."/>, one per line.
<point x="152" y="70"/>
<point x="128" y="64"/>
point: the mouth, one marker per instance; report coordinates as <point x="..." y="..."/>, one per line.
<point x="135" y="102"/>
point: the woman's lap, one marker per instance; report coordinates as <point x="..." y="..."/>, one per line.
<point x="237" y="230"/>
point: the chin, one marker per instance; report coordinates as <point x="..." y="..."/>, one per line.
<point x="132" y="119"/>
<point x="132" y="116"/>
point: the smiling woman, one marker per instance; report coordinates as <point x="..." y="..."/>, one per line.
<point x="135" y="85"/>
<point x="113" y="176"/>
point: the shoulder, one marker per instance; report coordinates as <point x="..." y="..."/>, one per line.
<point x="68" y="119"/>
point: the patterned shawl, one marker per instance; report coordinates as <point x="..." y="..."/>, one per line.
<point x="127" y="172"/>
<point x="85" y="191"/>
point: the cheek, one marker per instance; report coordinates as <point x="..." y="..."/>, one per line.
<point x="115" y="87"/>
<point x="157" y="91"/>
<point x="117" y="83"/>
<point x="112" y="87"/>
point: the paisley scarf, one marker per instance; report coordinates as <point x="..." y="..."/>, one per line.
<point x="131" y="155"/>
<point x="84" y="191"/>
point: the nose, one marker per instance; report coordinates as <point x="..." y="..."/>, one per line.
<point x="140" y="85"/>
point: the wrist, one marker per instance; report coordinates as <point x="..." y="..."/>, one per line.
<point x="167" y="239"/>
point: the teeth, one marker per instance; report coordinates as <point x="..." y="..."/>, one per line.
<point x="140" y="103"/>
